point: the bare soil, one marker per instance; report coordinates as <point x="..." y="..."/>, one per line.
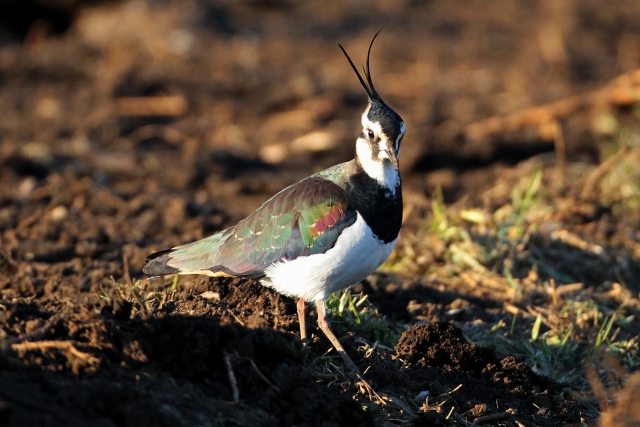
<point x="100" y="362"/>
<point x="87" y="190"/>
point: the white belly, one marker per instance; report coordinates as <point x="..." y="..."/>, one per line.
<point x="356" y="254"/>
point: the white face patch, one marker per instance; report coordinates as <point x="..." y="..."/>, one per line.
<point x="377" y="129"/>
<point x="375" y="166"/>
<point x="383" y="172"/>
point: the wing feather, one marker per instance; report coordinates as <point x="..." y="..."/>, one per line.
<point x="304" y="219"/>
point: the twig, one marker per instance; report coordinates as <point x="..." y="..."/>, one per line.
<point x="560" y="148"/>
<point x="228" y="310"/>
<point x="572" y="287"/>
<point x="277" y="313"/>
<point x="524" y="423"/>
<point x="232" y="377"/>
<point x="35" y="335"/>
<point x="151" y="106"/>
<point x="370" y="390"/>
<point x="515" y="310"/>
<point x="571" y="239"/>
<point x="125" y="267"/>
<point x="623" y="90"/>
<point x="261" y="375"/>
<point x="58" y="345"/>
<point x="455" y="389"/>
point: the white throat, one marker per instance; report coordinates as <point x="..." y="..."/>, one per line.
<point x="376" y="167"/>
<point x="382" y="171"/>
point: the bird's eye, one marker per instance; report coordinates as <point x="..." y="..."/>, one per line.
<point x="370" y="134"/>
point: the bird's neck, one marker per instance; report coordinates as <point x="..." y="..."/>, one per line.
<point x="382" y="172"/>
<point x="380" y="207"/>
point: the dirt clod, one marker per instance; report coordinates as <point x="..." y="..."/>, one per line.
<point x="477" y="380"/>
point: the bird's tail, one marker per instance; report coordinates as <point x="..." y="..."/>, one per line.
<point x="193" y="258"/>
<point x="156" y="264"/>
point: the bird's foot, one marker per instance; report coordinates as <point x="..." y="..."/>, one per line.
<point x="302" y="309"/>
<point x="325" y="326"/>
<point x="350" y="367"/>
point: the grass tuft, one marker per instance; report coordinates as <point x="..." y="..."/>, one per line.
<point x="357" y="314"/>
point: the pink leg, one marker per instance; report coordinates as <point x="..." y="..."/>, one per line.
<point x="324" y="324"/>
<point x="302" y="309"/>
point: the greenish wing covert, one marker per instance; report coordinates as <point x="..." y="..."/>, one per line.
<point x="304" y="219"/>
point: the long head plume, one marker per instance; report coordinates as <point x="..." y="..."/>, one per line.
<point x="368" y="85"/>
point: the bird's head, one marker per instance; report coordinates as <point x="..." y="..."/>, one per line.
<point x="378" y="146"/>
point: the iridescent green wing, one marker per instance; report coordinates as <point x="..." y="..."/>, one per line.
<point x="304" y="219"/>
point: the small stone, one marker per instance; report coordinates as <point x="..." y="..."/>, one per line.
<point x="26" y="187"/>
<point x="210" y="295"/>
<point x="58" y="214"/>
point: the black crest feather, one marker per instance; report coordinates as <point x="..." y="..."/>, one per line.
<point x="368" y="85"/>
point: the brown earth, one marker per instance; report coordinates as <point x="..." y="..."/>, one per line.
<point x="89" y="188"/>
<point x="101" y="363"/>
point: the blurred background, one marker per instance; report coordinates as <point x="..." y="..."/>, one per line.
<point x="245" y="79"/>
<point x="133" y="126"/>
<point x="149" y="122"/>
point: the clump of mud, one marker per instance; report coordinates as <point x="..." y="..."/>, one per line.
<point x="439" y="360"/>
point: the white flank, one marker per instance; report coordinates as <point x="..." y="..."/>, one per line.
<point x="356" y="254"/>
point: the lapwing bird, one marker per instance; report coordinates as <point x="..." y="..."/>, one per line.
<point x="320" y="235"/>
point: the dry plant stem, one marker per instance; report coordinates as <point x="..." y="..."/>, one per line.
<point x="125" y="267"/>
<point x="151" y="106"/>
<point x="524" y="423"/>
<point x="370" y="391"/>
<point x="232" y="377"/>
<point x="570" y="239"/>
<point x="324" y="324"/>
<point x="35" y="335"/>
<point x="623" y="90"/>
<point x="302" y="309"/>
<point x="261" y="375"/>
<point x="561" y="150"/>
<point x="59" y="345"/>
<point x="228" y="310"/>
